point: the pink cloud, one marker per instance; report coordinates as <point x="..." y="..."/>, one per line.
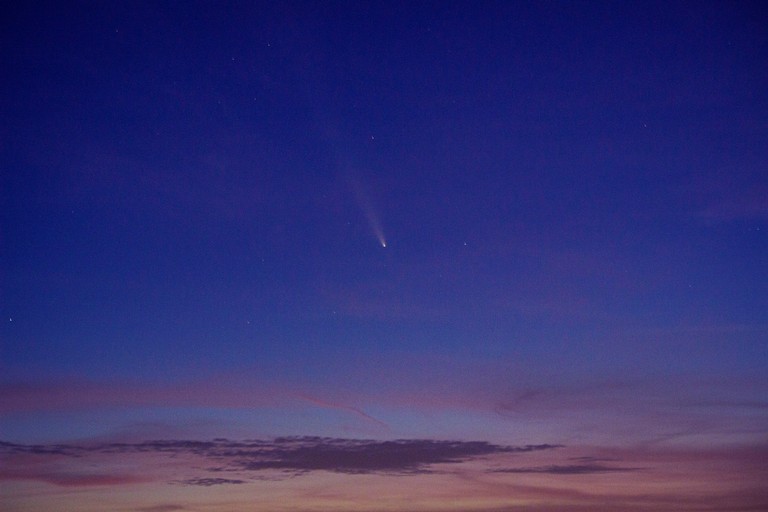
<point x="734" y="194"/>
<point x="65" y="479"/>
<point x="69" y="393"/>
<point x="403" y="393"/>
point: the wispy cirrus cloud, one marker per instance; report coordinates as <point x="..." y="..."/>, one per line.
<point x="353" y="410"/>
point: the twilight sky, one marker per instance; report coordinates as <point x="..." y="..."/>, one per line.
<point x="369" y="257"/>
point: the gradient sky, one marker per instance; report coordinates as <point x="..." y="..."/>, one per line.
<point x="368" y="257"/>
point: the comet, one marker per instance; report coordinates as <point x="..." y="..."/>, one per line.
<point x="366" y="205"/>
<point x="347" y="172"/>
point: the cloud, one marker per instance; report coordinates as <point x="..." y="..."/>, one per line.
<point x="363" y="456"/>
<point x="207" y="482"/>
<point x="162" y="508"/>
<point x="489" y="468"/>
<point x="69" y="478"/>
<point x="354" y="410"/>
<point x="570" y="469"/>
<point x="288" y="456"/>
<point x="593" y="460"/>
<point x="37" y="449"/>
<point x="733" y="199"/>
<point x="72" y="394"/>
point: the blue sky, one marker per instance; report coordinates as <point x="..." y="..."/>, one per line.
<point x="513" y="222"/>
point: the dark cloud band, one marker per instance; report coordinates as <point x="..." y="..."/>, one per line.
<point x="297" y="455"/>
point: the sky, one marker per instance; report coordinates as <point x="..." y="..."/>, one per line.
<point x="384" y="256"/>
